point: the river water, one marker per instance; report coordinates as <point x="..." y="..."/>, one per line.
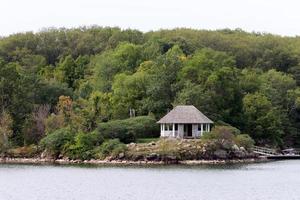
<point x="273" y="180"/>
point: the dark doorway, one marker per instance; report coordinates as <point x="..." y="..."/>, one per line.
<point x="188" y="130"/>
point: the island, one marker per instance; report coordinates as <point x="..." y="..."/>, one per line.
<point x="104" y="95"/>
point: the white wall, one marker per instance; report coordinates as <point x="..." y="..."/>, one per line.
<point x="180" y="130"/>
<point x="195" y="130"/>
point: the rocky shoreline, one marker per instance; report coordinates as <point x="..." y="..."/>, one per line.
<point x="127" y="162"/>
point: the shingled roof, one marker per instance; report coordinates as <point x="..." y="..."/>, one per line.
<point x="185" y="115"/>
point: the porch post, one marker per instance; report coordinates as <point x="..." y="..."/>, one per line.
<point x="208" y="127"/>
<point x="173" y="130"/>
<point x="163" y="130"/>
<point x="201" y="133"/>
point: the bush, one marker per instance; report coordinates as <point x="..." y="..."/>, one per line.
<point x="83" y="146"/>
<point x="220" y="133"/>
<point x="111" y="148"/>
<point x="244" y="140"/>
<point x="226" y="138"/>
<point x="23" y="152"/>
<point x="54" y="122"/>
<point x="129" y="129"/>
<point x="55" y="142"/>
<point x="168" y="147"/>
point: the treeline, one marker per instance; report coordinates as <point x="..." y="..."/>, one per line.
<point x="79" y="78"/>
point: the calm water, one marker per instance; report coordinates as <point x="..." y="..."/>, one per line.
<point x="275" y="180"/>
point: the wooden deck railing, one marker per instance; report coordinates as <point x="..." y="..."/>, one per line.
<point x="271" y="152"/>
<point x="264" y="151"/>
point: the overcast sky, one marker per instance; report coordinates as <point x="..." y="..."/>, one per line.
<point x="273" y="16"/>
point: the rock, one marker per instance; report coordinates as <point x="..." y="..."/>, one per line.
<point x="131" y="145"/>
<point x="138" y="157"/>
<point x="235" y="148"/>
<point x="121" y="155"/>
<point x="220" y="153"/>
<point x="242" y="149"/>
<point x="170" y="159"/>
<point x="152" y="156"/>
<point x="187" y="146"/>
<point x="109" y="158"/>
<point x="240" y="154"/>
<point x="227" y="145"/>
<point x="43" y="155"/>
<point x="46" y="155"/>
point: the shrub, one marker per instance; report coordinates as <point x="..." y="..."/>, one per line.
<point x="222" y="136"/>
<point x="220" y="133"/>
<point x="23" y="152"/>
<point x="55" y="142"/>
<point x="54" y="122"/>
<point x="6" y="123"/>
<point x="168" y="147"/>
<point x="83" y="145"/>
<point x="129" y="129"/>
<point x="112" y="148"/>
<point x="225" y="138"/>
<point x="244" y="140"/>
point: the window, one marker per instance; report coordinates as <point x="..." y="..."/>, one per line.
<point x="176" y="127"/>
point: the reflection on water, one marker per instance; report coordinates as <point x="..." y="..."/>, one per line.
<point x="273" y="180"/>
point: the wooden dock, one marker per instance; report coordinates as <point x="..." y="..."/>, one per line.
<point x="274" y="154"/>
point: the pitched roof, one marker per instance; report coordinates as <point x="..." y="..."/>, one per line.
<point x="185" y="115"/>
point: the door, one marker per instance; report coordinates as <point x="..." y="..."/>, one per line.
<point x="188" y="130"/>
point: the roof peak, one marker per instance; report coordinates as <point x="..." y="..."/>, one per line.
<point x="185" y="106"/>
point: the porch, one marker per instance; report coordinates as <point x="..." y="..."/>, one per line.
<point x="184" y="130"/>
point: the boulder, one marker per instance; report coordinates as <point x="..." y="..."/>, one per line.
<point x="235" y="147"/>
<point x="242" y="149"/>
<point x="240" y="154"/>
<point x="132" y="144"/>
<point x="152" y="157"/>
<point x="221" y="154"/>
<point x="121" y="155"/>
<point x="152" y="143"/>
<point x="46" y="155"/>
<point x="170" y="159"/>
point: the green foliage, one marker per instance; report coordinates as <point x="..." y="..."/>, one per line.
<point x="220" y="133"/>
<point x="147" y="140"/>
<point x="83" y="146"/>
<point x="124" y="58"/>
<point x="263" y="120"/>
<point x="70" y="71"/>
<point x="244" y="140"/>
<point x="203" y="63"/>
<point x="111" y="148"/>
<point x="5" y="131"/>
<point x="55" y="142"/>
<point x="247" y="80"/>
<point x="129" y="129"/>
<point x="225" y="137"/>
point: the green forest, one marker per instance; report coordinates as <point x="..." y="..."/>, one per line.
<point x="81" y="83"/>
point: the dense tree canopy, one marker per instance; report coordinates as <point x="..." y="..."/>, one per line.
<point x="79" y="78"/>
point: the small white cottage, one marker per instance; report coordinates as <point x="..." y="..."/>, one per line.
<point x="184" y="122"/>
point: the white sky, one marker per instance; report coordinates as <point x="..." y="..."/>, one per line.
<point x="273" y="16"/>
